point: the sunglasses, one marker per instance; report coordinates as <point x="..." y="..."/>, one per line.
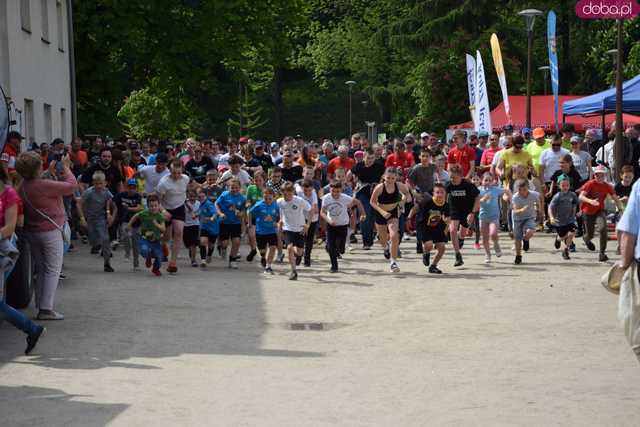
<point x="556" y="145"/>
<point x="473" y="144"/>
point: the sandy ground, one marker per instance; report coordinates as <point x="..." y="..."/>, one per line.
<point x="536" y="345"/>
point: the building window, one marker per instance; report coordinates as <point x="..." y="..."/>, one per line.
<point x="63" y="124"/>
<point x="60" y="26"/>
<point x="29" y="129"/>
<point x="25" y="15"/>
<point x="44" y="11"/>
<point x="48" y="125"/>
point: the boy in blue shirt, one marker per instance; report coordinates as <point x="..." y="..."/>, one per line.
<point x="231" y="210"/>
<point x="266" y="213"/>
<point x="209" y="227"/>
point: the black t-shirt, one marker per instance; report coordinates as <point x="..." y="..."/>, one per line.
<point x="112" y="173"/>
<point x="292" y="174"/>
<point x="462" y="197"/>
<point x="432" y="215"/>
<point x="125" y="200"/>
<point x="574" y="180"/>
<point x="198" y="170"/>
<point x="264" y="161"/>
<point x="250" y="164"/>
<point x="621" y="190"/>
<point x="368" y="174"/>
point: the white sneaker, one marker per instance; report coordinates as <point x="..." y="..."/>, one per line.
<point x="394" y="267"/>
<point x="52" y="315"/>
<point x="350" y="248"/>
<point x="406" y="237"/>
<point x="203" y="264"/>
<point x="487" y="259"/>
<point x="498" y="252"/>
<point x="233" y="265"/>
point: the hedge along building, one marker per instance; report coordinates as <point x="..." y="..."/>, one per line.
<point x="36" y="64"/>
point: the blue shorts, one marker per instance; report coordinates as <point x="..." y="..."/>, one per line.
<point x="520" y="227"/>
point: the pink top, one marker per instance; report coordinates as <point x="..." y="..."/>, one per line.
<point x="488" y="155"/>
<point x="45" y="195"/>
<point x="8" y="198"/>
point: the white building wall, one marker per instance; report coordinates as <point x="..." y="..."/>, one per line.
<point x="38" y="70"/>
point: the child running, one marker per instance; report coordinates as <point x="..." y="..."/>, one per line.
<point x="99" y="213"/>
<point x="209" y="227"/>
<point x="191" y="233"/>
<point x="464" y="204"/>
<point x="623" y="191"/>
<point x="335" y="211"/>
<point x="129" y="203"/>
<point x="293" y="224"/>
<point x="490" y="194"/>
<point x="152" y="227"/>
<point x="231" y="209"/>
<point x="432" y="216"/>
<point x="562" y="214"/>
<point x="265" y="214"/>
<point x="523" y="212"/>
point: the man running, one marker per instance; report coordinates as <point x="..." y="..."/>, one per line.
<point x="293" y="224"/>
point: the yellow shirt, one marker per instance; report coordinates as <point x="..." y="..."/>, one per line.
<point x="536" y="150"/>
<point x="511" y="159"/>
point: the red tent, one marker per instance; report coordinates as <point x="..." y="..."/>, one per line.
<point x="542" y="115"/>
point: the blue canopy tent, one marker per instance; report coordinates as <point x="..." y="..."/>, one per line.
<point x="604" y="102"/>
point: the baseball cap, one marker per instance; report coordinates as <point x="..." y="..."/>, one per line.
<point x="538" y="133"/>
<point x="483" y="134"/>
<point x="424" y="135"/>
<point x="600" y="169"/>
<point x="260" y="144"/>
<point x="507" y="127"/>
<point x="274" y="145"/>
<point x="132" y="181"/>
<point x="525" y="131"/>
<point x="576" y="139"/>
<point x="243" y="140"/>
<point x="561" y="178"/>
<point x="358" y="153"/>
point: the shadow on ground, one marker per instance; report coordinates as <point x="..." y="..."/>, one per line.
<point x="112" y="319"/>
<point x="37" y="406"/>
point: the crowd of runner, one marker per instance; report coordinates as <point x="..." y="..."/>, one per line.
<point x="157" y="198"/>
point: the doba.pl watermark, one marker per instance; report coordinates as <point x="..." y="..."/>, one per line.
<point x="607" y="9"/>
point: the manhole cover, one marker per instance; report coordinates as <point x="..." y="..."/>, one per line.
<point x="312" y="326"/>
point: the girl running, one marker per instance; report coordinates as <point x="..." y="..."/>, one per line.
<point x="387" y="199"/>
<point x="490" y="194"/>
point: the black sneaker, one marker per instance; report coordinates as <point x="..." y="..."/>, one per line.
<point x="590" y="245"/>
<point x="293" y="276"/>
<point x="425" y="259"/>
<point x="518" y="260"/>
<point x="461" y="242"/>
<point x="263" y="262"/>
<point x="307" y="262"/>
<point x="387" y="253"/>
<point x="251" y="255"/>
<point x="572" y="248"/>
<point x="434" y="269"/>
<point x="353" y="239"/>
<point x="268" y="270"/>
<point x="603" y="257"/>
<point x="366" y="247"/>
<point x="419" y="248"/>
<point x="108" y="269"/>
<point x="565" y="253"/>
<point x="32" y="339"/>
<point x="399" y="253"/>
<point x="525" y="245"/>
<point x="333" y="270"/>
<point x="95" y="250"/>
<point x="298" y="260"/>
<point x="556" y="243"/>
<point x="459" y="261"/>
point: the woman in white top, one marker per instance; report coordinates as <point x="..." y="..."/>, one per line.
<point x="172" y="190"/>
<point x="581" y="159"/>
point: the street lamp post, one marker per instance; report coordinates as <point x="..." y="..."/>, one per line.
<point x="545" y="71"/>
<point x="350" y="83"/>
<point x="530" y="17"/>
<point x="619" y="148"/>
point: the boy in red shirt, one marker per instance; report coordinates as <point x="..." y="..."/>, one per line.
<point x="400" y="159"/>
<point x="463" y="155"/>
<point x="593" y="195"/>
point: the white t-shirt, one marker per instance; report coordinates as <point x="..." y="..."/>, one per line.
<point x="293" y="213"/>
<point x="313" y="201"/>
<point x="173" y="192"/>
<point x="151" y="177"/>
<point x="223" y="160"/>
<point x="242" y="176"/>
<point x="580" y="162"/>
<point x="551" y="161"/>
<point x="337" y="209"/>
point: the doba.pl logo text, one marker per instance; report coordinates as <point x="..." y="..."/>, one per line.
<point x="607" y="9"/>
